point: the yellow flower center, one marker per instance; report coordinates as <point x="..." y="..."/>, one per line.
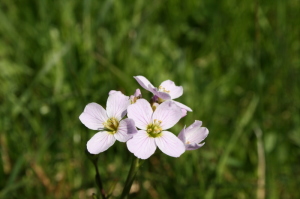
<point x="111" y="125"/>
<point x="154" y="129"/>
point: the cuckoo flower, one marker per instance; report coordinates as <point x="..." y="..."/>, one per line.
<point x="166" y="91"/>
<point x="193" y="135"/>
<point x="108" y="122"/>
<point x="153" y="126"/>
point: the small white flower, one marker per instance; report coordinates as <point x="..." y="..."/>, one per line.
<point x="166" y="91"/>
<point x="193" y="135"/>
<point x="108" y="122"/>
<point x="153" y="127"/>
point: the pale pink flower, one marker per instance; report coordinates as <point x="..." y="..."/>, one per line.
<point x="108" y="122"/>
<point x="153" y="126"/>
<point x="193" y="135"/>
<point x="166" y="91"/>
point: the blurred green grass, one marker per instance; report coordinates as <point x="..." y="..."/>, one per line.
<point x="238" y="62"/>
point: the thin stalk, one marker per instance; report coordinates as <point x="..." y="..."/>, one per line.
<point x="135" y="164"/>
<point x="98" y="180"/>
<point x="261" y="167"/>
<point x="94" y="160"/>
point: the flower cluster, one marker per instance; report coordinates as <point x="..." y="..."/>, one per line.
<point x="151" y="118"/>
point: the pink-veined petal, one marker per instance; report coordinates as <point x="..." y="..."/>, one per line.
<point x="100" y="142"/>
<point x="183" y="106"/>
<point x="141" y="113"/>
<point x="126" y="130"/>
<point x="117" y="104"/>
<point x="93" y="116"/>
<point x="169" y="144"/>
<point x="174" y="91"/>
<point x="144" y="82"/>
<point x="168" y="113"/>
<point x="141" y="145"/>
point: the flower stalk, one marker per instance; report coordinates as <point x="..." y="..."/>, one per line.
<point x="94" y="160"/>
<point x="98" y="180"/>
<point x="144" y="130"/>
<point x="135" y="164"/>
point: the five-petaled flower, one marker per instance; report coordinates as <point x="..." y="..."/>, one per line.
<point x="108" y="122"/>
<point x="166" y="91"/>
<point x="153" y="126"/>
<point x="193" y="135"/>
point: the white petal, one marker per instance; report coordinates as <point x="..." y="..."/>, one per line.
<point x="170" y="144"/>
<point x="93" y="116"/>
<point x="138" y="93"/>
<point x="141" y="113"/>
<point x="196" y="135"/>
<point x="100" y="142"/>
<point x="195" y="125"/>
<point x="193" y="146"/>
<point x="135" y="96"/>
<point x="141" y="145"/>
<point x="174" y="91"/>
<point x="193" y="135"/>
<point x="183" y="112"/>
<point x="160" y="94"/>
<point x="126" y="130"/>
<point x="144" y="82"/>
<point x="112" y="92"/>
<point x="183" y="106"/>
<point x="117" y="104"/>
<point x="181" y="135"/>
<point x="168" y="113"/>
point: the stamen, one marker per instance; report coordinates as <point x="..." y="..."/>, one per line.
<point x="115" y="123"/>
<point x="160" y="88"/>
<point x="111" y="125"/>
<point x="154" y="129"/>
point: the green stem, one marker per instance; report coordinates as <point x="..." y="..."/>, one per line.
<point x="98" y="180"/>
<point x="131" y="175"/>
<point x="94" y="159"/>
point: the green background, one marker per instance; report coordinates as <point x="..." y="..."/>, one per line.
<point x="238" y="62"/>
